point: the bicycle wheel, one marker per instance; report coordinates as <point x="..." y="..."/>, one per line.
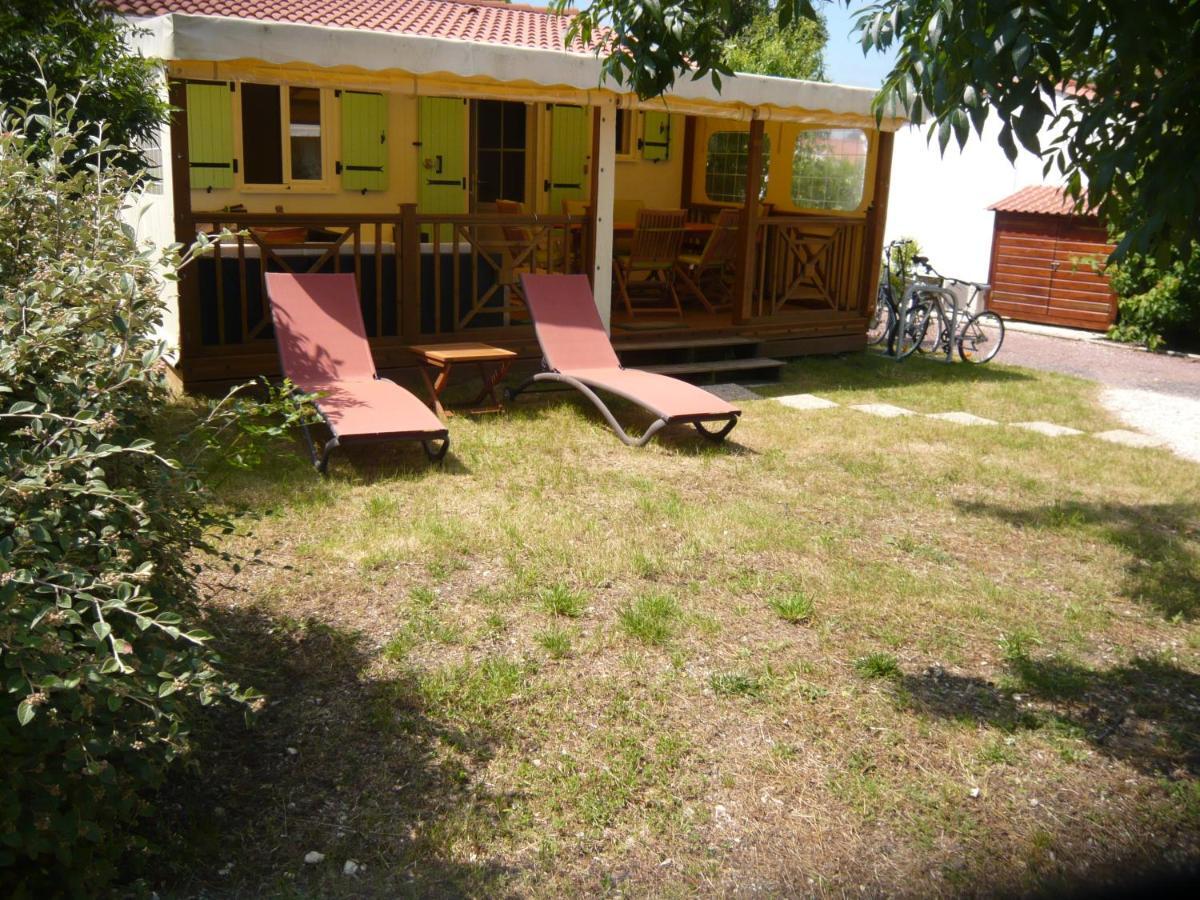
<point x="934" y="338"/>
<point x="980" y="339"/>
<point x="881" y="320"/>
<point x="915" y="326"/>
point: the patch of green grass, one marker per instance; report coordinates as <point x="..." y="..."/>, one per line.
<point x="735" y="684"/>
<point x="795" y="607"/>
<point x="1015" y="645"/>
<point x="555" y="641"/>
<point x="471" y="691"/>
<point x="650" y="618"/>
<point x="560" y="600"/>
<point x="877" y="665"/>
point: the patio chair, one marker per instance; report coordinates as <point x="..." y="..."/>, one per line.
<point x="653" y="252"/>
<point x="577" y="352"/>
<point x="323" y="348"/>
<point x="700" y="273"/>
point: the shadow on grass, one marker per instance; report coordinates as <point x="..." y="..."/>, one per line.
<point x="370" y="777"/>
<point x="1162" y="540"/>
<point x="1144" y="713"/>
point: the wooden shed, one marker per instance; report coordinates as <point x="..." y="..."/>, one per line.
<point x="1046" y="262"/>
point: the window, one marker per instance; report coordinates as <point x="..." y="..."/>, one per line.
<point x="281" y="134"/>
<point x="725" y="166"/>
<point x="624" y="132"/>
<point x="262" y="118"/>
<point x="499" y="130"/>
<point x="829" y="168"/>
<point x="304" y="129"/>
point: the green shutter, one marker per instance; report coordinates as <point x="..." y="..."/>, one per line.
<point x="656" y="144"/>
<point x="364" y="141"/>
<point x="210" y="135"/>
<point x="442" y="160"/>
<point x="569" y="148"/>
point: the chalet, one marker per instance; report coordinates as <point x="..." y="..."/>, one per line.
<point x="440" y="148"/>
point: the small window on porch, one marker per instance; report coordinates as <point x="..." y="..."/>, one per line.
<point x="304" y="130"/>
<point x="625" y="132"/>
<point x="725" y="166"/>
<point x="500" y="138"/>
<point x="829" y="168"/>
<point x="262" y="124"/>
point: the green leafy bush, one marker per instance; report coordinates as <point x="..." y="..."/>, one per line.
<point x="1158" y="305"/>
<point x="101" y="662"/>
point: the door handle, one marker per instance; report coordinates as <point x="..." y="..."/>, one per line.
<point x="438" y="169"/>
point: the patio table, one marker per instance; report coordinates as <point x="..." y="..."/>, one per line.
<point x="493" y="364"/>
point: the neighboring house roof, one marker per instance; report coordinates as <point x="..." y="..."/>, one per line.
<point x="478" y="21"/>
<point x="1038" y="200"/>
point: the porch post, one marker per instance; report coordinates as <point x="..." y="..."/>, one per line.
<point x="743" y="284"/>
<point x="604" y="162"/>
<point x="188" y="288"/>
<point x="689" y="162"/>
<point x="877" y="219"/>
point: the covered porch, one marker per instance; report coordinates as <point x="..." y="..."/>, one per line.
<point x="438" y="193"/>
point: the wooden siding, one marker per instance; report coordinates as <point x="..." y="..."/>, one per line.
<point x="1040" y="271"/>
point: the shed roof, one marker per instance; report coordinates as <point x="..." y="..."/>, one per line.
<point x="477" y="21"/>
<point x="1038" y="199"/>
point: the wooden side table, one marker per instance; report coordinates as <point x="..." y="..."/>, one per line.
<point x="493" y="364"/>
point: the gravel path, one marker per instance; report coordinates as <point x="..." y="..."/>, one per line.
<point x="1158" y="395"/>
<point x="1116" y="367"/>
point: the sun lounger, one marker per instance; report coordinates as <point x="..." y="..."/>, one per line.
<point x="323" y="348"/>
<point x="577" y="352"/>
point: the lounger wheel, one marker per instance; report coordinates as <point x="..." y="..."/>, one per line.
<point x="716" y="436"/>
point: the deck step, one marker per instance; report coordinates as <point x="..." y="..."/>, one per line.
<point x="626" y="344"/>
<point x="717" y="365"/>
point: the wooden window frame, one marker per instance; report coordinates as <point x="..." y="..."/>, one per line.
<point x="327" y="183"/>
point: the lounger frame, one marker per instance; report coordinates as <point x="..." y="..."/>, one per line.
<point x="657" y="425"/>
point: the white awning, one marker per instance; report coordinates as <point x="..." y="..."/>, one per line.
<point x="424" y="65"/>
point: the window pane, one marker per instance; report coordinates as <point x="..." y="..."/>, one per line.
<point x="305" y="125"/>
<point x="624" y="130"/>
<point x="489" y="124"/>
<point x="829" y="168"/>
<point x="487" y="177"/>
<point x="261" y="129"/>
<point x="514" y="126"/>
<point x="514" y="175"/>
<point x="725" y="166"/>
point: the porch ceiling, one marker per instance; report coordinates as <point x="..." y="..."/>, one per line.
<point x="420" y="64"/>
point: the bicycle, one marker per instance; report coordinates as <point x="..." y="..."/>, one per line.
<point x="882" y="324"/>
<point x="978" y="337"/>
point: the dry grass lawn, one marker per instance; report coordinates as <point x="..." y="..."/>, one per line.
<point x="839" y="654"/>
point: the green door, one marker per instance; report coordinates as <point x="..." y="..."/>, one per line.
<point x="210" y="135"/>
<point x="568" y="156"/>
<point x="363" y="165"/>
<point x="442" y="160"/>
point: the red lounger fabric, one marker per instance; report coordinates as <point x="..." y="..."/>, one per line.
<point x="323" y="347"/>
<point x="574" y="343"/>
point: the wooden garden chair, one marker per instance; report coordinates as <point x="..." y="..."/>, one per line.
<point x="703" y="274"/>
<point x="650" y="262"/>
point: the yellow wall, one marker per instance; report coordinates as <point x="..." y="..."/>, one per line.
<point x="656" y="185"/>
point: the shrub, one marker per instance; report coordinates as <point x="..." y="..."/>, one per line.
<point x="101" y="661"/>
<point x="1159" y="305"/>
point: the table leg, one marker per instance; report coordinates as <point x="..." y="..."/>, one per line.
<point x="436" y="388"/>
<point x="490" y="380"/>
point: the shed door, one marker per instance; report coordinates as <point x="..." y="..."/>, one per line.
<point x="569" y="148"/>
<point x="442" y="160"/>
<point x="1023" y="254"/>
<point x="1080" y="296"/>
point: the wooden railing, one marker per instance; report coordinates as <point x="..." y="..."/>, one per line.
<point x="810" y="263"/>
<point x="419" y="275"/>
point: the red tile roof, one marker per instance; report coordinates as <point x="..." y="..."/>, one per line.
<point x="1037" y="199"/>
<point x="478" y="21"/>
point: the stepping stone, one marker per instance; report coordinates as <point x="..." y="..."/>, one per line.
<point x="886" y="410"/>
<point x="731" y="392"/>
<point x="806" y="401"/>
<point x="963" y="418"/>
<point x="1049" y="429"/>
<point x="1128" y="438"/>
